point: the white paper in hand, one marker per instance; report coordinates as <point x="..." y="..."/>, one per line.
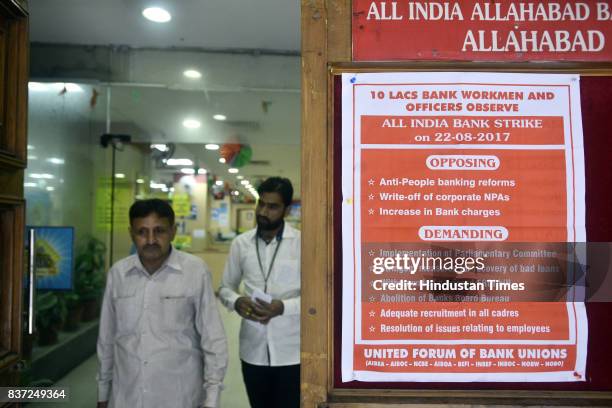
<point x="258" y="294"/>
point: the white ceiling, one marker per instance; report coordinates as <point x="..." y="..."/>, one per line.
<point x="254" y="85"/>
<point x="248" y="24"/>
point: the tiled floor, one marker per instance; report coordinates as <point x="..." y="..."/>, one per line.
<point x="82" y="380"/>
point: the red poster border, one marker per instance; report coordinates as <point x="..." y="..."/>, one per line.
<point x="596" y="122"/>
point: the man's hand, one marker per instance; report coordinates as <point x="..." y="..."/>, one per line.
<point x="258" y="311"/>
<point x="103" y="404"/>
<point x="270" y="310"/>
<point x="248" y="309"/>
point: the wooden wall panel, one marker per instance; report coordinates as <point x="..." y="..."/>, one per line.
<point x="315" y="270"/>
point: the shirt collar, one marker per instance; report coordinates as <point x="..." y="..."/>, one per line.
<point x="282" y="233"/>
<point x="172" y="262"/>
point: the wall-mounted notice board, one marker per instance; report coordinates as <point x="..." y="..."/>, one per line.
<point x="596" y="181"/>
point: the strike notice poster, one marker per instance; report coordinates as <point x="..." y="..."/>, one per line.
<point x="460" y="191"/>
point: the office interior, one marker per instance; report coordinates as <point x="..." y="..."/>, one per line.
<point x="196" y="110"/>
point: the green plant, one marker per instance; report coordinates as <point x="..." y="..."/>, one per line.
<point x="72" y="299"/>
<point x="50" y="310"/>
<point x="89" y="270"/>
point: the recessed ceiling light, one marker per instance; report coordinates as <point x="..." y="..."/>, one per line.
<point x="179" y="162"/>
<point x="192" y="74"/>
<point x="232" y="170"/>
<point x="55" y="160"/>
<point x="221" y="160"/>
<point x="201" y="171"/>
<point x="30" y="147"/>
<point x="219" y="182"/>
<point x="211" y="146"/>
<point x="235" y="192"/>
<point x="156" y="14"/>
<point x="188" y="170"/>
<point x="119" y="175"/>
<point x="191" y="123"/>
<point x="219" y="117"/>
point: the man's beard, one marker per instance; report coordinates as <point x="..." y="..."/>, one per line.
<point x="263" y="223"/>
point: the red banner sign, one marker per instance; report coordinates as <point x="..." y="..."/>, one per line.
<point x="471" y="30"/>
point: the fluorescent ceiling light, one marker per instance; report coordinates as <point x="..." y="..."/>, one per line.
<point x="32" y="157"/>
<point x="192" y="123"/>
<point x="156" y="185"/>
<point x="160" y="147"/>
<point x="240" y="177"/>
<point x="192" y="74"/>
<point x="179" y="162"/>
<point x="119" y="175"/>
<point x="50" y="188"/>
<point x="140" y="181"/>
<point x="31" y="147"/>
<point x="42" y="176"/>
<point x="244" y="182"/>
<point x="156" y="14"/>
<point x="201" y="171"/>
<point x="73" y="87"/>
<point x="55" y="160"/>
<point x="218" y="116"/>
<point x="233" y="170"/>
<point x="221" y="160"/>
<point x="211" y="146"/>
<point x="188" y="170"/>
<point x="29" y="184"/>
<point x="219" y="182"/>
<point x="37" y="86"/>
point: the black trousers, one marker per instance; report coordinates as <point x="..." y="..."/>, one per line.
<point x="272" y="387"/>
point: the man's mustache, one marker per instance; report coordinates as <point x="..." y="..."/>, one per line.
<point x="152" y="246"/>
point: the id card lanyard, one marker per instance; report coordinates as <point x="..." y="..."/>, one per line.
<point x="261" y="268"/>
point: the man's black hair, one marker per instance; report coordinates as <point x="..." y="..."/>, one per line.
<point x="278" y="185"/>
<point x="143" y="208"/>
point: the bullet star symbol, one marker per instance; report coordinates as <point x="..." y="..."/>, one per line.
<point x="372" y="329"/>
<point x="371" y="253"/>
<point x="371" y="182"/>
<point x="372" y="313"/>
<point x="371" y="211"/>
<point x="371" y="196"/>
<point x="372" y="298"/>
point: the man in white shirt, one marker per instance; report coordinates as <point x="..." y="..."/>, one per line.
<point x="267" y="261"/>
<point x="161" y="342"/>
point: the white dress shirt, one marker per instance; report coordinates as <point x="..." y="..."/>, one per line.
<point x="278" y="342"/>
<point x="161" y="341"/>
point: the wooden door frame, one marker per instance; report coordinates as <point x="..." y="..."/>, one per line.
<point x="326" y="51"/>
<point x="13" y="161"/>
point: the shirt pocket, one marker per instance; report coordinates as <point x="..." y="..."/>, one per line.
<point x="176" y="312"/>
<point x="127" y="310"/>
<point x="287" y="274"/>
